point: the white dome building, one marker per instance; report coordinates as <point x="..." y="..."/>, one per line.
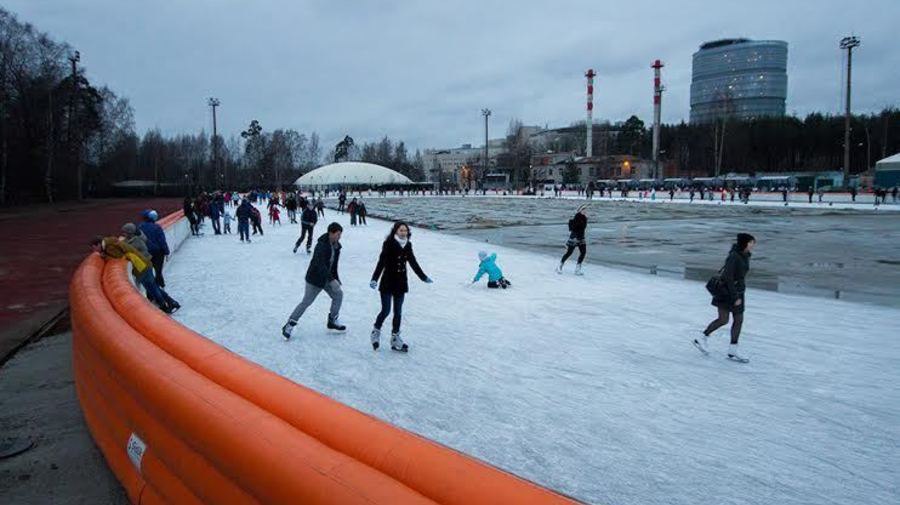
<point x="352" y="173"/>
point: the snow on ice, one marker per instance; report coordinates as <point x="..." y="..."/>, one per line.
<point x="588" y="385"/>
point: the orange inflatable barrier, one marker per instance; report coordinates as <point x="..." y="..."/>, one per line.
<point x="180" y="419"/>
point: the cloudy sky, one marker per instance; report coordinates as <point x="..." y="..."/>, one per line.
<point x="422" y="70"/>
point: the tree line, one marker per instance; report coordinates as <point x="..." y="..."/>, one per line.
<point x="64" y="137"/>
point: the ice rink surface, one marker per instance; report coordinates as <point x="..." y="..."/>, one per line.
<point x="588" y="385"/>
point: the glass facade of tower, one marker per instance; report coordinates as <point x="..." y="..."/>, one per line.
<point x="739" y="78"/>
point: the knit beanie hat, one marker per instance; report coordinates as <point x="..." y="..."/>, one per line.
<point x="482" y="255"/>
<point x="129" y="229"/>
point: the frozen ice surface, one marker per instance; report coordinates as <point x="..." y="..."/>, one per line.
<point x="588" y="385"/>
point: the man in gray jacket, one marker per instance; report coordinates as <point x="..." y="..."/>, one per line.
<point x="322" y="274"/>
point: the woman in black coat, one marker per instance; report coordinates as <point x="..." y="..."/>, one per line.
<point x="730" y="296"/>
<point x="396" y="252"/>
<point x="577" y="227"/>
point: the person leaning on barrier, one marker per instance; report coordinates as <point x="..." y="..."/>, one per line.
<point x="118" y="247"/>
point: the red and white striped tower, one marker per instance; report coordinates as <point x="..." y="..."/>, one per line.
<point x="657" y="110"/>
<point x="589" y="151"/>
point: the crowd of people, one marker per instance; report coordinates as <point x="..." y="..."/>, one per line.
<point x="146" y="249"/>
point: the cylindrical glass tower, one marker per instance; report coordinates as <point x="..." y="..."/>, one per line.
<point x="739" y="78"/>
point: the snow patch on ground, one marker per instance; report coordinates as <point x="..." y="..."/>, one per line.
<point x="588" y="385"/>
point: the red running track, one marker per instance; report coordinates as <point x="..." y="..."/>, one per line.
<point x="40" y="248"/>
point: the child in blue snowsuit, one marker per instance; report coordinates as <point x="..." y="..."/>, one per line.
<point x="489" y="266"/>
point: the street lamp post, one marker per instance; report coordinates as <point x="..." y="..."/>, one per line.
<point x="73" y="148"/>
<point x="848" y="43"/>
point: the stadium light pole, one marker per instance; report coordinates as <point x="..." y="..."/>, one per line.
<point x="848" y="43"/>
<point x="486" y="113"/>
<point x="213" y="103"/>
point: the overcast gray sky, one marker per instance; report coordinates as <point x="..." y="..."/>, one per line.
<point x="422" y="70"/>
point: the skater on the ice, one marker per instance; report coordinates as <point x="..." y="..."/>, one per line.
<point x="291" y="205"/>
<point x="256" y="220"/>
<point x="853" y="194"/>
<point x="396" y="252"/>
<point x="157" y="245"/>
<point x="342" y="199"/>
<point x="810" y="192"/>
<point x="577" y="227"/>
<point x="214" y="215"/>
<point x="320" y="207"/>
<point x="351" y="209"/>
<point x="244" y="213"/>
<point x="188" y="208"/>
<point x="227" y="218"/>
<point x="308" y="219"/>
<point x="322" y="275"/>
<point x="361" y="212"/>
<point x="692" y="194"/>
<point x="274" y="214"/>
<point x="729" y="295"/>
<point x="488" y="265"/>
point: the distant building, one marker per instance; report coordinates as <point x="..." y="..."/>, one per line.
<point x="552" y="168"/>
<point x="739" y="78"/>
<point x="451" y="166"/>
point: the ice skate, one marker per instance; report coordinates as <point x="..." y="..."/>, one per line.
<point x="334" y="324"/>
<point x="397" y="343"/>
<point x="375" y="337"/>
<point x="578" y="270"/>
<point x="287" y="329"/>
<point x="702" y="344"/>
<point x="734" y="356"/>
<point x="559" y="268"/>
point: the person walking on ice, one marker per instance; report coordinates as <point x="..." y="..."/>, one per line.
<point x="396" y="252"/>
<point x="322" y="275"/>
<point x="728" y="291"/>
<point x="577" y="227"/>
<point x="488" y="265"/>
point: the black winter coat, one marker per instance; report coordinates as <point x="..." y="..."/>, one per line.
<point x="309" y="216"/>
<point x="391" y="267"/>
<point x="733" y="274"/>
<point x="577" y="226"/>
<point x="321" y="269"/>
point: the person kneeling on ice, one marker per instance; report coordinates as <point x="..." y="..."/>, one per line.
<point x="396" y="252"/>
<point x="728" y="291"/>
<point x="322" y="274"/>
<point x="489" y="266"/>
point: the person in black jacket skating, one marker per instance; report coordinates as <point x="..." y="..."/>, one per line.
<point x="577" y="227"/>
<point x="322" y="274"/>
<point x="308" y="221"/>
<point x="730" y="298"/>
<point x="396" y="252"/>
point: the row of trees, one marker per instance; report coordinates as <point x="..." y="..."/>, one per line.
<point x="391" y="154"/>
<point x="63" y="137"/>
<point x="771" y="144"/>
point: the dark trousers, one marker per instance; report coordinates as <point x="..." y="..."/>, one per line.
<point x="158" y="261"/>
<point x="257" y="227"/>
<point x="341" y="207"/>
<point x="217" y="228"/>
<point x="156" y="294"/>
<point x="362" y="219"/>
<point x="501" y="283"/>
<point x="582" y="251"/>
<point x="244" y="229"/>
<point x="321" y="212"/>
<point x="386" y="299"/>
<point x="306" y="231"/>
